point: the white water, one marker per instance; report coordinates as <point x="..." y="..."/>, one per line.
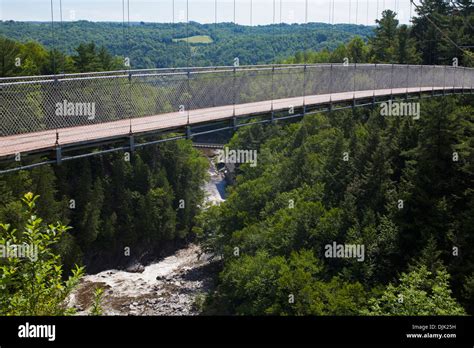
<point x="166" y="287"/>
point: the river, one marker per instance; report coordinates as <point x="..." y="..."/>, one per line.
<point x="175" y="285"/>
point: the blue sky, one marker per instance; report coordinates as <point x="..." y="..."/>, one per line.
<point x="247" y="11"/>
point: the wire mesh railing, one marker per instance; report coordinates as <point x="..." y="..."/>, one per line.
<point x="127" y="100"/>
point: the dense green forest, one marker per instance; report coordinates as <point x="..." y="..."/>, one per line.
<point x="419" y="43"/>
<point x="144" y="204"/>
<point x="401" y="187"/>
<point x="151" y="45"/>
<point x="400" y="193"/>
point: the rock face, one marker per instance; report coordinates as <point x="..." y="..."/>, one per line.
<point x="168" y="287"/>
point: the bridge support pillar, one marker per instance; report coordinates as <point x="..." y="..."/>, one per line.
<point x="234" y="123"/>
<point x="59" y="158"/>
<point x="188" y="132"/>
<point x="272" y="119"/>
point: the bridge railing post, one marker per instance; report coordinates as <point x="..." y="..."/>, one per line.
<point x="472" y="80"/>
<point x="391" y="82"/>
<point x="408" y="76"/>
<point x="234" y="101"/>
<point x="55" y="91"/>
<point x="354" y="86"/>
<point x="374" y="87"/>
<point x="188" y="107"/>
<point x="433" y="69"/>
<point x="444" y="80"/>
<point x="454" y="80"/>
<point x="330" y="87"/>
<point x="304" y="90"/>
<point x="463" y="77"/>
<point x="421" y="81"/>
<point x="273" y="94"/>
<point x="129" y="109"/>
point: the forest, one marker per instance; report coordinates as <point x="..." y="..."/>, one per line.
<point x="154" y="45"/>
<point x="402" y="188"/>
<point x="399" y="193"/>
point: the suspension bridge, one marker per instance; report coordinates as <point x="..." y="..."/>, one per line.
<point x="45" y="113"/>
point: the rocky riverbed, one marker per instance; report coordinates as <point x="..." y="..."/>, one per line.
<point x="175" y="285"/>
<point x="172" y="286"/>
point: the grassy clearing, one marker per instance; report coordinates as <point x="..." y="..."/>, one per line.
<point x="197" y="39"/>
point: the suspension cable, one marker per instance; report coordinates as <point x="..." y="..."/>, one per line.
<point x="53" y="39"/>
<point x="357" y="12"/>
<point x="306" y="44"/>
<point x="173" y="34"/>
<point x="251" y="13"/>
<point x="367" y="20"/>
<point x="61" y="29"/>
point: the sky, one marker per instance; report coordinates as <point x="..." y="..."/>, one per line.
<point x="247" y="12"/>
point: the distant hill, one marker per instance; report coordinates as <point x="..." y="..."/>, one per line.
<point x="152" y="45"/>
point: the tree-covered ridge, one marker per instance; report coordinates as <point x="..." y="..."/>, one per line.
<point x="400" y="193"/>
<point x="32" y="58"/>
<point x="144" y="204"/>
<point x="420" y="43"/>
<point x="151" y="45"/>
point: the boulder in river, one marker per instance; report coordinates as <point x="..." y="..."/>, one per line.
<point x="136" y="268"/>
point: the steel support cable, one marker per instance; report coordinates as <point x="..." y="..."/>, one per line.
<point x="129" y="70"/>
<point x="274" y="58"/>
<point x="377" y="11"/>
<point x="56" y="83"/>
<point x="53" y="36"/>
<point x="281" y="22"/>
<point x="173" y="34"/>
<point x="333" y="1"/>
<point x="350" y="11"/>
<point x="215" y="28"/>
<point x="215" y="46"/>
<point x="330" y="14"/>
<point x="306" y="44"/>
<point x="61" y="27"/>
<point x="357" y="12"/>
<point x="235" y="57"/>
<point x="411" y="10"/>
<point x="187" y="34"/>
<point x="189" y="96"/>
<point x="367" y="10"/>
<point x="251" y="13"/>
<point x="304" y="58"/>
